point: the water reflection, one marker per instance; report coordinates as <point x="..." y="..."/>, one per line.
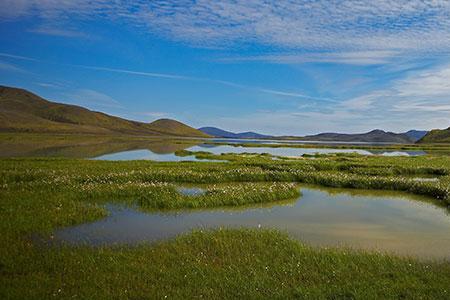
<point x="393" y="222"/>
<point x="157" y="148"/>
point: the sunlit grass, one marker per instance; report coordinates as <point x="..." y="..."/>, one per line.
<point x="39" y="195"/>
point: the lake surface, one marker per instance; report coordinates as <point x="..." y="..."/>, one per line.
<point x="157" y="149"/>
<point x="375" y="220"/>
<point x="293" y="141"/>
<point x="149" y="155"/>
<point x="222" y="149"/>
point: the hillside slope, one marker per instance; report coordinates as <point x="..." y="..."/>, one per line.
<point x="436" y="136"/>
<point x="23" y="111"/>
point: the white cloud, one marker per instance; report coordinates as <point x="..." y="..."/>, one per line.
<point x="348" y="27"/>
<point x="431" y="83"/>
<point x="424" y="90"/>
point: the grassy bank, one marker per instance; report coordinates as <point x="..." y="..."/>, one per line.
<point x="161" y="195"/>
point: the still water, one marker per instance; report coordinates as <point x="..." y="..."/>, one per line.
<point x="221" y="149"/>
<point x="374" y="220"/>
<point x="157" y="149"/>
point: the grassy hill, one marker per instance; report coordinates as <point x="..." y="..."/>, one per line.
<point x="436" y="136"/>
<point x="23" y="111"/>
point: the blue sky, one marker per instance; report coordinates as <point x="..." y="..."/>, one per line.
<point x="281" y="67"/>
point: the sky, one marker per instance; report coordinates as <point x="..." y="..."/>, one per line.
<point x="277" y="67"/>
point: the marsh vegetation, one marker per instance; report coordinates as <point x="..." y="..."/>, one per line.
<point x="40" y="196"/>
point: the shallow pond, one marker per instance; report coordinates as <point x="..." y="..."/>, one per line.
<point x="394" y="222"/>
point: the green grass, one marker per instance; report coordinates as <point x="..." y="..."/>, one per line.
<point x="38" y="195"/>
<point x="232" y="264"/>
<point x="389" y="173"/>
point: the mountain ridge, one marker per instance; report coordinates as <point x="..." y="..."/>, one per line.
<point x="220" y="133"/>
<point x="373" y="136"/>
<point x="376" y="135"/>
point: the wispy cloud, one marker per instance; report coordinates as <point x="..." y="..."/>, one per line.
<point x="208" y="80"/>
<point x="49" y="30"/>
<point x="424" y="90"/>
<point x="8" y="55"/>
<point x="295" y="95"/>
<point x="154" y="114"/>
<point x="139" y="73"/>
<point x="48" y="85"/>
<point x="92" y="99"/>
<point x="419" y="99"/>
<point x="289" y="94"/>
<point x="410" y="25"/>
<point x="11" y="68"/>
<point x="351" y="57"/>
<point x="344" y="27"/>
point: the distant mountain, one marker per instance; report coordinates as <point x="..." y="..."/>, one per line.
<point x="23" y="111"/>
<point x="374" y="136"/>
<point x="217" y="132"/>
<point x="436" y="136"/>
<point x="415" y="135"/>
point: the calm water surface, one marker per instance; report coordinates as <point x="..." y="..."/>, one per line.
<point x="220" y="149"/>
<point x="393" y="222"/>
<point x="157" y="149"/>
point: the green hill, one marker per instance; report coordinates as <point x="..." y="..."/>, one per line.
<point x="436" y="136"/>
<point x="23" y="111"/>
